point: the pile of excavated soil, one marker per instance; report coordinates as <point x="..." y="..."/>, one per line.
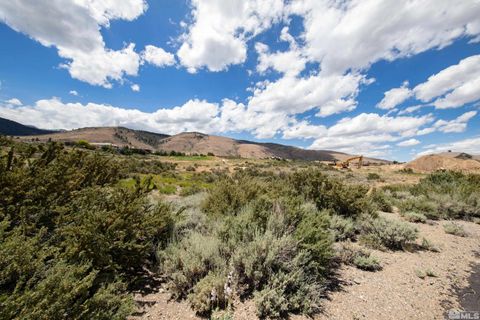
<point x="436" y="162"/>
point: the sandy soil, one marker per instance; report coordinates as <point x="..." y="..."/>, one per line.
<point x="432" y="162"/>
<point x="395" y="292"/>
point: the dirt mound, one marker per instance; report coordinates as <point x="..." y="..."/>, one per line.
<point x="435" y="162"/>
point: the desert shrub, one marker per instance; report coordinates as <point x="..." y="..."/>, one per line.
<point x="406" y="171"/>
<point x="115" y="230"/>
<point x="256" y="261"/>
<point x="382" y="200"/>
<point x="422" y="274"/>
<point x="189" y="260"/>
<point x="84" y="144"/>
<point x="454" y="194"/>
<point x="373" y="176"/>
<point x="289" y="292"/>
<point x="412" y="216"/>
<point x="328" y="193"/>
<point x="367" y="263"/>
<point x="455" y="229"/>
<point x="270" y="232"/>
<point x="387" y="233"/>
<point x="343" y="228"/>
<point x="428" y="245"/>
<point x="420" y="204"/>
<point x="229" y="195"/>
<point x="190" y="190"/>
<point x="315" y="238"/>
<point x="352" y="254"/>
<point x="208" y="294"/>
<point x="71" y="243"/>
<point x="135" y="165"/>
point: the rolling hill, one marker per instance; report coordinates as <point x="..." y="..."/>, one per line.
<point x="190" y="143"/>
<point x="12" y="128"/>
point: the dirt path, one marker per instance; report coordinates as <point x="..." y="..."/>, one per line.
<point x="396" y="292"/>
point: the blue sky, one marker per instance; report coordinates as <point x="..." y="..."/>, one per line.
<point x="315" y="74"/>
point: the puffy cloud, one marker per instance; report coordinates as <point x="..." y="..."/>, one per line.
<point x="158" y="56"/>
<point x="344" y="35"/>
<point x="99" y="67"/>
<point x="290" y="62"/>
<point x="73" y="27"/>
<point x="369" y="133"/>
<point x="220" y="29"/>
<point x="105" y="10"/>
<point x="456" y="125"/>
<point x="470" y="145"/>
<point x="328" y="94"/>
<point x="236" y="117"/>
<point x="394" y="97"/>
<point x="452" y="87"/>
<point x="73" y="92"/>
<point x="194" y="115"/>
<point x="14" y="102"/>
<point x="457" y="81"/>
<point x="410" y="109"/>
<point x="408" y="143"/>
<point x="304" y="130"/>
<point x="135" y="87"/>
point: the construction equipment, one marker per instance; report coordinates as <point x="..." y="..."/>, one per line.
<point x="346" y="164"/>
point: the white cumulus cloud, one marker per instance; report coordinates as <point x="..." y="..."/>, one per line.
<point x="73" y="27"/>
<point x="408" y="143"/>
<point x="220" y="29"/>
<point x="395" y="96"/>
<point x="14" y="102"/>
<point x="158" y="56"/>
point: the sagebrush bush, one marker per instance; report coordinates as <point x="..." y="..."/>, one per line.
<point x="208" y="294"/>
<point x="382" y="200"/>
<point x="373" y="176"/>
<point x="411" y="216"/>
<point x="447" y="195"/>
<point x="388" y="233"/>
<point x="352" y="254"/>
<point x="420" y="204"/>
<point x="289" y="292"/>
<point x="343" y="228"/>
<point x="367" y="263"/>
<point x="256" y="261"/>
<point x="189" y="260"/>
<point x="455" y="229"/>
<point x="267" y="232"/>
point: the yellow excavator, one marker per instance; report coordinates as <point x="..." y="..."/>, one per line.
<point x="346" y="164"/>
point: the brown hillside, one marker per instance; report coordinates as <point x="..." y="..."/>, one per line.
<point x="192" y="142"/>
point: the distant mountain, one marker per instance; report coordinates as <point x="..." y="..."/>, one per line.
<point x="12" y="128"/>
<point x="192" y="142"/>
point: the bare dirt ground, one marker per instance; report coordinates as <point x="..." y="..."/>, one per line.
<point x="395" y="292"/>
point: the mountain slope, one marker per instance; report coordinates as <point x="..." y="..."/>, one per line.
<point x="118" y="136"/>
<point x="12" y="128"/>
<point x="192" y="142"/>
